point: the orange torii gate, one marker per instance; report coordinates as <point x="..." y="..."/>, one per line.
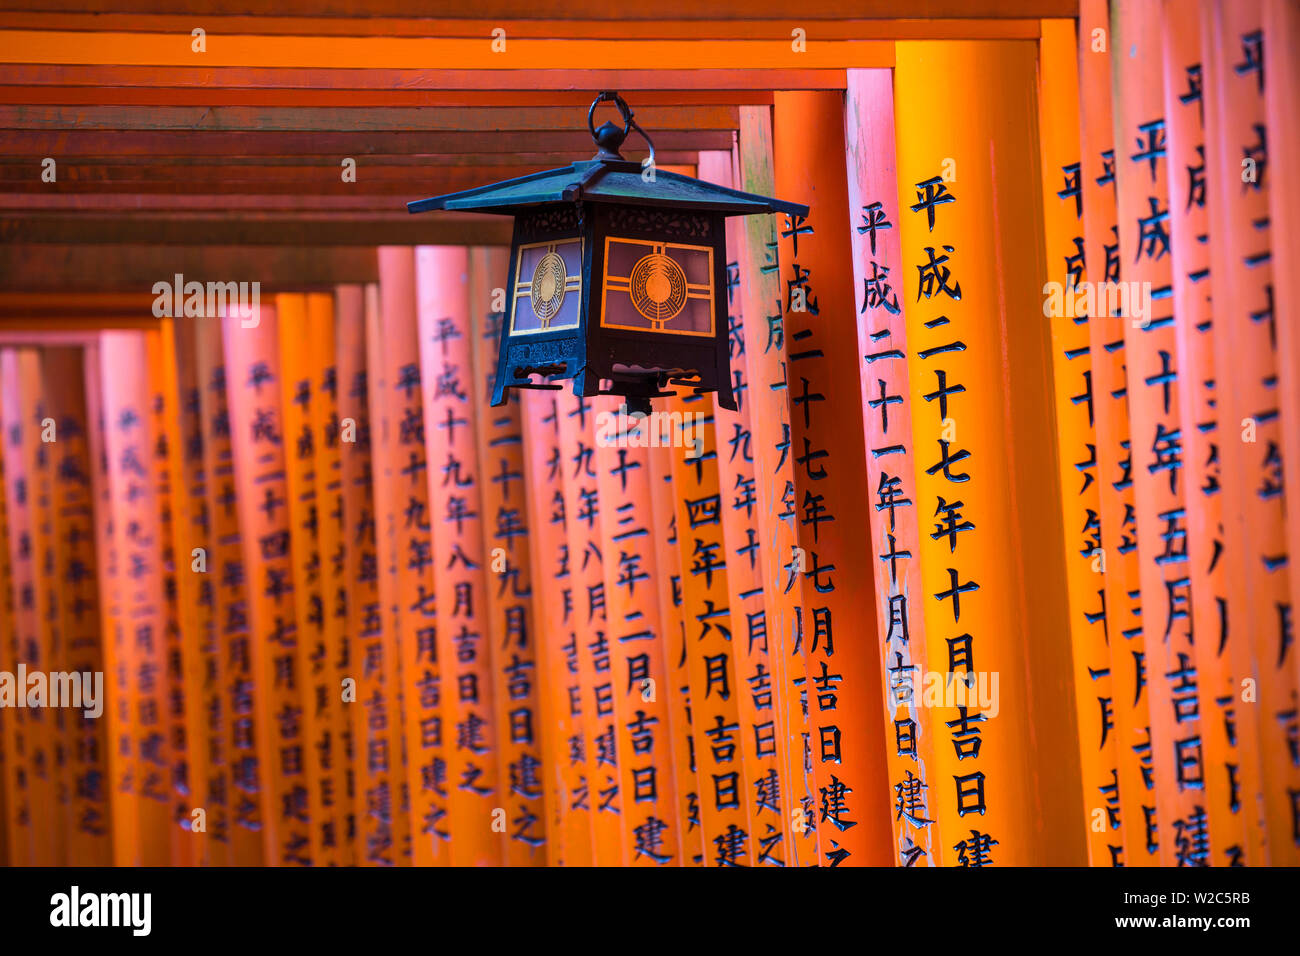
<point x="1156" y="452"/>
<point x="1282" y="100"/>
<point x="200" y="658"/>
<point x="766" y="372"/>
<point x="586" y="647"/>
<point x="568" y="812"/>
<point x="378" y="775"/>
<point x="180" y="624"/>
<point x="332" y="659"/>
<point x="721" y="778"/>
<point x="767" y="801"/>
<point x="1132" y="790"/>
<point x="1238" y="179"/>
<point x="297" y="395"/>
<point x="512" y="621"/>
<point x="233" y="799"/>
<point x="911" y="731"/>
<point x="639" y="644"/>
<point x="400" y="463"/>
<point x="1065" y="581"/>
<point x="842" y="687"/>
<point x="1230" y="770"/>
<point x="1058" y="96"/>
<point x="257" y="439"/>
<point x="32" y="824"/>
<point x="469" y="733"/>
<point x="980" y="426"/>
<point x="681" y="718"/>
<point x="75" y="565"/>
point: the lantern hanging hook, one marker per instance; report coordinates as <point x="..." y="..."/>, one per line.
<point x="609" y="138"/>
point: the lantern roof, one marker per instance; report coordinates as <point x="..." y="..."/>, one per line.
<point x="611" y="181"/>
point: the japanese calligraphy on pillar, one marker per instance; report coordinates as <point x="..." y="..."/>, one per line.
<point x="181" y="624"/>
<point x="511" y="622"/>
<point x="1227" y="766"/>
<point x="15" y="815"/>
<point x="843" y="688"/>
<point x="233" y="799"/>
<point x="402" y="503"/>
<point x="34" y="821"/>
<point x="765" y="364"/>
<point x="56" y="722"/>
<point x="910" y="731"/>
<point x="1281" y="102"/>
<point x="75" y="561"/>
<point x="1131" y="793"/>
<point x="766" y="803"/>
<point x="1157" y="440"/>
<point x="1058" y="92"/>
<point x="1239" y="177"/>
<point x="117" y="710"/>
<point x="638" y="644"/>
<point x="196" y="592"/>
<point x="331" y="661"/>
<point x="137" y="520"/>
<point x="663" y="508"/>
<point x="978" y="430"/>
<point x="468" y="731"/>
<point x="300" y="541"/>
<point x="721" y="781"/>
<point x="376" y="726"/>
<point x="258" y="443"/>
<point x="587" y="644"/>
<point x="568" y="819"/>
<point x="397" y="477"/>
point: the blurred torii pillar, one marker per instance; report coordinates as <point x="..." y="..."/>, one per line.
<point x="1131" y="794"/>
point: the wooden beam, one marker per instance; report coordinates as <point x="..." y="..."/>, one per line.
<point x="201" y="205"/>
<point x="50" y="268"/>
<point x="309" y="82"/>
<point x="907" y="28"/>
<point x="253" y="230"/>
<point x="694" y="10"/>
<point x="351" y="52"/>
<point x="486" y="119"/>
<point x="572" y="140"/>
<point x="391" y="186"/>
<point x="180" y="95"/>
<point x="523" y="161"/>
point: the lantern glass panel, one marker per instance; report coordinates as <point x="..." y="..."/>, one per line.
<point x="548" y="286"/>
<point x="653" y="286"/>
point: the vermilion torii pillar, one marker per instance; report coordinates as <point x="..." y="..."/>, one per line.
<point x="835" y="626"/>
<point x="1119" y="596"/>
<point x="992" y="551"/>
<point x="1058" y="97"/>
<point x="1230" y="769"/>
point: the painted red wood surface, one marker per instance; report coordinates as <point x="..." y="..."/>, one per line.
<point x="1230" y="770"/>
<point x="911" y="731"/>
<point x="469" y="732"/>
<point x="1119" y="596"/>
<point x="509" y="592"/>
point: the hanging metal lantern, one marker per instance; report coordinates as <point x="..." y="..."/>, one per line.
<point x="617" y="275"/>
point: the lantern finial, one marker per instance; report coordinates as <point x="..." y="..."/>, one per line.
<point x="609" y="137"/>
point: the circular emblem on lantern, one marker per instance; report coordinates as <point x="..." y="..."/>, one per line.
<point x="658" y="288"/>
<point x="546" y="294"/>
